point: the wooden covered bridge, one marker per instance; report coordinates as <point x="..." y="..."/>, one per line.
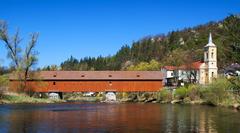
<point x="91" y="81"/>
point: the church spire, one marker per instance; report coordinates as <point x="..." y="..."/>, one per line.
<point x="210" y="38"/>
<point x="210" y="42"/>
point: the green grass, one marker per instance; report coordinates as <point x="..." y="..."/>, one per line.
<point x="10" y="98"/>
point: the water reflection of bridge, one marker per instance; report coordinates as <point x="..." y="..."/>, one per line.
<point x="123" y="118"/>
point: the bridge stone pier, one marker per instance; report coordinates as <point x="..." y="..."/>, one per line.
<point x="111" y="96"/>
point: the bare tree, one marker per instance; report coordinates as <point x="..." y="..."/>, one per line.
<point x="11" y="43"/>
<point x="30" y="57"/>
<point x="23" y="62"/>
<point x="190" y="69"/>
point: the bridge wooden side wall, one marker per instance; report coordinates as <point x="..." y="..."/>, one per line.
<point x="90" y="86"/>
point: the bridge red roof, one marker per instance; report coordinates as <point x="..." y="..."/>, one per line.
<point x="95" y="75"/>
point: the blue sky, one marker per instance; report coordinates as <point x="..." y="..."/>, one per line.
<point x="100" y="27"/>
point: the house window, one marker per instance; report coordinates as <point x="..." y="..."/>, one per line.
<point x="54" y="75"/>
<point x="54" y="83"/>
<point x="82" y="75"/>
<point x="138" y="75"/>
<point x="212" y="55"/>
<point x="206" y="55"/>
<point x="171" y="74"/>
<point x="109" y="75"/>
<point x="212" y="74"/>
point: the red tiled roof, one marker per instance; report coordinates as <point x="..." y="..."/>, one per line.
<point x="194" y="65"/>
<point x="170" y="68"/>
<point x="95" y="75"/>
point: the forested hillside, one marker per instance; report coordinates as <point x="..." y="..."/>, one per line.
<point x="174" y="48"/>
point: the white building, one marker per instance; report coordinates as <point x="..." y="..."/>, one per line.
<point x="202" y="72"/>
<point x="169" y="75"/>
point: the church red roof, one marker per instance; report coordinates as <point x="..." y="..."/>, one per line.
<point x="170" y="68"/>
<point x="195" y="65"/>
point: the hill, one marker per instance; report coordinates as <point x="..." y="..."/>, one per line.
<point x="174" y="48"/>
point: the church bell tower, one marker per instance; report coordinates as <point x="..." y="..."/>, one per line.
<point x="210" y="60"/>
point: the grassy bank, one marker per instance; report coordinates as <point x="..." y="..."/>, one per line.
<point x="11" y="98"/>
<point x="79" y="97"/>
<point x="222" y="92"/>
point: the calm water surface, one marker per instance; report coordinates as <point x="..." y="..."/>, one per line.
<point x="122" y="118"/>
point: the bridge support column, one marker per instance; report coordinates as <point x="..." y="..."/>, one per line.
<point x="54" y="95"/>
<point x="111" y="96"/>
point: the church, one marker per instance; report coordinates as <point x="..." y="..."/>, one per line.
<point x="202" y="72"/>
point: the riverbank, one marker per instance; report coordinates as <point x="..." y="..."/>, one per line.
<point x="161" y="97"/>
<point x="193" y="94"/>
<point x="13" y="98"/>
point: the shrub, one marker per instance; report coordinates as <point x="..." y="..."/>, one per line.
<point x="164" y="95"/>
<point x="181" y="93"/>
<point x="193" y="92"/>
<point x="132" y="96"/>
<point x="125" y="95"/>
<point x="235" y="84"/>
<point x="119" y="95"/>
<point x="3" y="84"/>
<point x="122" y="95"/>
<point x="216" y="92"/>
<point x="146" y="95"/>
<point x="1" y="93"/>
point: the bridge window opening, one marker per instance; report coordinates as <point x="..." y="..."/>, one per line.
<point x="109" y="75"/>
<point x="110" y="83"/>
<point x="82" y="75"/>
<point x="212" y="74"/>
<point x="54" y="83"/>
<point x="54" y="75"/>
<point x="138" y="75"/>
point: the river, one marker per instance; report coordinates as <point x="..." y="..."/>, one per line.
<point x="116" y="118"/>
